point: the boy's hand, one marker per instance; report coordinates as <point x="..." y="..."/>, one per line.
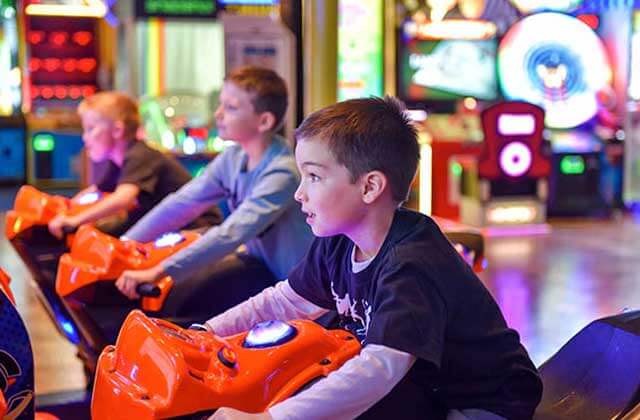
<point x="226" y="413"/>
<point x="130" y="279"/>
<point x="58" y="223"/>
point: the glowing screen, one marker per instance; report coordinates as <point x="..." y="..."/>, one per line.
<point x="448" y="69"/>
<point x="562" y="70"/>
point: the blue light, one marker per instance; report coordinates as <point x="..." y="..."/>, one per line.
<point x="89" y="198"/>
<point x="168" y="239"/>
<point x="268" y="334"/>
<point x="69" y="329"/>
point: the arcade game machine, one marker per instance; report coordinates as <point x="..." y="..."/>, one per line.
<point x="567" y="72"/>
<point x="12" y="125"/>
<point x="177" y="101"/>
<point x="507" y="184"/>
<point x="446" y="75"/>
<point x="62" y="65"/>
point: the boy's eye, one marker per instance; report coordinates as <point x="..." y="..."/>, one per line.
<point x="314" y="178"/>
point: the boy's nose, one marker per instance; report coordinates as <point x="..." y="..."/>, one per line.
<point x="218" y="112"/>
<point x="299" y="194"/>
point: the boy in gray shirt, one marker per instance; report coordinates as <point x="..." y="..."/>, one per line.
<point x="257" y="177"/>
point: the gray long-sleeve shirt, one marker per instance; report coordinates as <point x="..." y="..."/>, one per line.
<point x="264" y="215"/>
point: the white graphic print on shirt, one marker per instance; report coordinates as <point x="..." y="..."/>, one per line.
<point x="358" y="311"/>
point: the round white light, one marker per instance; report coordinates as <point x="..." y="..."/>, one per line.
<point x="515" y="159"/>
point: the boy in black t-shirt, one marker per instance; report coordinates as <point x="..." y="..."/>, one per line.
<point x="435" y="344"/>
<point x="138" y="176"/>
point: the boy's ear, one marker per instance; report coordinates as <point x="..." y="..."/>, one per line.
<point x="374" y="183"/>
<point x="266" y="122"/>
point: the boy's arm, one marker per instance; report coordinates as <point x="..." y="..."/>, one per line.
<point x="351" y="390"/>
<point x="279" y="302"/>
<point x="90" y="188"/>
<point x="122" y="198"/>
<point x="268" y="200"/>
<point x="182" y="206"/>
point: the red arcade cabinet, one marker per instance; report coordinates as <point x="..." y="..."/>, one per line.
<point x="508" y="185"/>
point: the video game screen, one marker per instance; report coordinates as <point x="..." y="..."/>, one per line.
<point x="447" y="69"/>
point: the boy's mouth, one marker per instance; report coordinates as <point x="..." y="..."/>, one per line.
<point x="310" y="216"/>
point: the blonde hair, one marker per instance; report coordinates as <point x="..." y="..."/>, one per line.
<point x="115" y="106"/>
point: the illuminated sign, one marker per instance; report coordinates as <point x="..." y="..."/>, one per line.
<point x="516" y="124"/>
<point x="451" y="29"/>
<point x="43" y="143"/>
<point x="572" y="165"/>
<point x="176" y="8"/>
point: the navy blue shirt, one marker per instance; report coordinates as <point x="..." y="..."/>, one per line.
<point x="418" y="296"/>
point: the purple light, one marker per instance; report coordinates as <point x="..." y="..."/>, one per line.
<point x="269" y="333"/>
<point x="515" y="159"/>
<point x="517" y="230"/>
<point x="89" y="198"/>
<point x="168" y="239"/>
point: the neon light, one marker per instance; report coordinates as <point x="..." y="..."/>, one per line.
<point x="91" y="8"/>
<point x="268" y="334"/>
<point x="528" y="6"/>
<point x="455" y="168"/>
<point x="511" y="214"/>
<point x="424" y="196"/>
<point x="58" y="38"/>
<point x="43" y="143"/>
<point x="515" y="159"/>
<point x="572" y="165"/>
<point x="35" y="37"/>
<point x="82" y="38"/>
<point x="168" y="239"/>
<point x="189" y="145"/>
<point x="416" y="114"/>
<point x="516" y="124"/>
<point x="451" y="29"/>
<point x="561" y="70"/>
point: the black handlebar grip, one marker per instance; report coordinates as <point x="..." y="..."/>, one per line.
<point x="148" y="290"/>
<point x="69" y="229"/>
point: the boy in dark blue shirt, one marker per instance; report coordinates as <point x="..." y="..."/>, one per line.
<point x="435" y="344"/>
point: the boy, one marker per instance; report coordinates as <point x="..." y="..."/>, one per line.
<point x="257" y="177"/>
<point x="138" y="176"/>
<point x="435" y="344"/>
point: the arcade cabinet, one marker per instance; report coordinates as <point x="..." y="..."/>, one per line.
<point x="12" y="124"/>
<point x="508" y="184"/>
<point x="62" y="67"/>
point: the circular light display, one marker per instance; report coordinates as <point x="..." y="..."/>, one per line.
<point x="89" y="198"/>
<point x="268" y="334"/>
<point x="515" y="159"/>
<point x="528" y="6"/>
<point x="562" y="70"/>
<point x="168" y="239"/>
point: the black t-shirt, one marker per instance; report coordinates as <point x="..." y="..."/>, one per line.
<point x="156" y="175"/>
<point x="418" y="296"/>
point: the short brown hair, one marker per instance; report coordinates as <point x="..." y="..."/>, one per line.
<point x="268" y="89"/>
<point x="117" y="107"/>
<point x="368" y="134"/>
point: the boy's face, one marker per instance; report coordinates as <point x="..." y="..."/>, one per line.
<point x="236" y="118"/>
<point x="98" y="135"/>
<point x="332" y="203"/>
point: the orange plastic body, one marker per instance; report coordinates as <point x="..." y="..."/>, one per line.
<point x="3" y="406"/>
<point x="159" y="370"/>
<point x="33" y="207"/>
<point x="4" y="285"/>
<point x="96" y="256"/>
